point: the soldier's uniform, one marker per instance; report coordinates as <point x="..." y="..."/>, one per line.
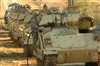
<point x="34" y="28"/>
<point x="45" y="10"/>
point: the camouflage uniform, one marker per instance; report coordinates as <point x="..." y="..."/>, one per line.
<point x="34" y="28"/>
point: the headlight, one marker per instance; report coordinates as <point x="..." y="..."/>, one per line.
<point x="20" y="28"/>
<point x="26" y="33"/>
<point x="47" y="40"/>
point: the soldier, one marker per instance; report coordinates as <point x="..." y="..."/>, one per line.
<point x="45" y="9"/>
<point x="34" y="28"/>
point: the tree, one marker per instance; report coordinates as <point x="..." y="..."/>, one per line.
<point x="90" y="8"/>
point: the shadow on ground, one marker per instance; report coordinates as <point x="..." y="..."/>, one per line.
<point x="1" y="18"/>
<point x="29" y="65"/>
<point x="2" y="27"/>
<point x="15" y="56"/>
<point x="10" y="55"/>
<point x="9" y="45"/>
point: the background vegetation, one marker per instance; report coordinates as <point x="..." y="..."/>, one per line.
<point x="90" y="8"/>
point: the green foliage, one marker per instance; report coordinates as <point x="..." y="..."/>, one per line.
<point x="83" y="5"/>
<point x="86" y="6"/>
<point x="97" y="20"/>
<point x="90" y="8"/>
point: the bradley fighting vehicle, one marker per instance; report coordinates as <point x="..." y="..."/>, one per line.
<point x="17" y="22"/>
<point x="8" y="11"/>
<point x="66" y="38"/>
<point x="21" y="22"/>
<point x="11" y="21"/>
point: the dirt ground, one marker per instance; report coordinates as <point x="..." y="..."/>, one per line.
<point x="10" y="54"/>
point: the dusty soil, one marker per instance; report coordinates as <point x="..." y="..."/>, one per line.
<point x="10" y="54"/>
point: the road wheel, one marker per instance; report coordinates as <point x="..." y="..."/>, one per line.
<point x="91" y="64"/>
<point x="40" y="62"/>
<point x="30" y="50"/>
<point x="20" y="42"/>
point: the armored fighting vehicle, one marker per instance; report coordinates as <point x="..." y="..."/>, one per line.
<point x="22" y="19"/>
<point x="10" y="22"/>
<point x="61" y="42"/>
<point x="70" y="15"/>
<point x="18" y="26"/>
<point x="8" y="11"/>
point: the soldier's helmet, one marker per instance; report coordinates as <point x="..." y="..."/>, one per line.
<point x="45" y="5"/>
<point x="36" y="14"/>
